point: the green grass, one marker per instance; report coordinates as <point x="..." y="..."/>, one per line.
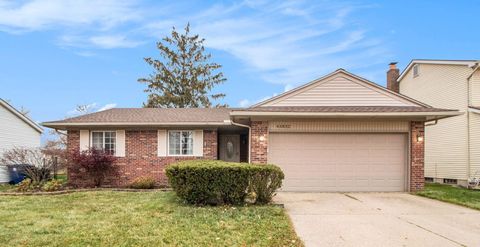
<point x="106" y="218"/>
<point x="456" y="195"/>
<point x="6" y="187"/>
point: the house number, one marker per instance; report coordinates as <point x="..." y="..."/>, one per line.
<point x="284" y="126"/>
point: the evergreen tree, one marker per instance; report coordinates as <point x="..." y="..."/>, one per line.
<point x="184" y="76"/>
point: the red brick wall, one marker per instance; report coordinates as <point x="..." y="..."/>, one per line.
<point x="259" y="147"/>
<point x="417" y="153"/>
<point x="140" y="159"/>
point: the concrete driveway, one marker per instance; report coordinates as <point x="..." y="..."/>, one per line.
<point x="379" y="219"/>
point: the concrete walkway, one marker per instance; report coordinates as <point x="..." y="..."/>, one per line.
<point x="379" y="219"/>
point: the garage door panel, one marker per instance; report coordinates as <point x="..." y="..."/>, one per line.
<point x="339" y="162"/>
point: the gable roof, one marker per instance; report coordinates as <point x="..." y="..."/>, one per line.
<point x="342" y="94"/>
<point x="147" y="117"/>
<point x="340" y="88"/>
<point x="469" y="63"/>
<point x="22" y="117"/>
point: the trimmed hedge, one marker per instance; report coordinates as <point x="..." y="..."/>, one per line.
<point x="215" y="182"/>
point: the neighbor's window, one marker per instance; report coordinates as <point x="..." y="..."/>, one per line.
<point x="415" y="70"/>
<point x="180" y="142"/>
<point x="104" y="140"/>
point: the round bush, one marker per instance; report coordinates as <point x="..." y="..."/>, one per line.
<point x="216" y="182"/>
<point x="143" y="183"/>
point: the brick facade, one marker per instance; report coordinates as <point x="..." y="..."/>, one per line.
<point x="259" y="142"/>
<point x="140" y="159"/>
<point x="417" y="154"/>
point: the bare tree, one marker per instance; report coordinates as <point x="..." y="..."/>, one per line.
<point x="34" y="163"/>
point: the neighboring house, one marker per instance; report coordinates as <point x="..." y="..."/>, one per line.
<point x="337" y="133"/>
<point x="16" y="130"/>
<point x="452" y="145"/>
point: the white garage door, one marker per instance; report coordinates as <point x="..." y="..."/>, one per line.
<point x="340" y="162"/>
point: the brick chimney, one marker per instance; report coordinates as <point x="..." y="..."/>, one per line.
<point x="392" y="75"/>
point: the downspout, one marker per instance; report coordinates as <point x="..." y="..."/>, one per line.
<point x="249" y="136"/>
<point x="468" y="118"/>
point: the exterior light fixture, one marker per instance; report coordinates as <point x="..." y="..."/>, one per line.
<point x="419" y="138"/>
<point x="262" y="138"/>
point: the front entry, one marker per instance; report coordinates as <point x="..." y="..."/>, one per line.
<point x="229" y="148"/>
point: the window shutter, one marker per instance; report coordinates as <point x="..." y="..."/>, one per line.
<point x="120" y="144"/>
<point x="198" y="143"/>
<point x="84" y="140"/>
<point x="162" y="143"/>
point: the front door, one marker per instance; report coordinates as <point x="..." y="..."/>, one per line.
<point x="230" y="148"/>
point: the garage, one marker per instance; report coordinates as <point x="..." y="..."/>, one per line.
<point x="341" y="132"/>
<point x="340" y="162"/>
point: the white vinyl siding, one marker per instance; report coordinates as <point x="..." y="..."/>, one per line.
<point x="14" y="132"/>
<point x="446" y="145"/>
<point x="340" y="91"/>
<point x="475" y="89"/>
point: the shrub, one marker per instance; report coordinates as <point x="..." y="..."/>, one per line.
<point x="25" y="185"/>
<point x="97" y="163"/>
<point x="143" y="183"/>
<point x="52" y="185"/>
<point x="217" y="182"/>
<point x="33" y="163"/>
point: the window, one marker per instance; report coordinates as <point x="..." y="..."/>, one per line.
<point x="415" y="70"/>
<point x="449" y="181"/>
<point x="104" y="140"/>
<point x="180" y="142"/>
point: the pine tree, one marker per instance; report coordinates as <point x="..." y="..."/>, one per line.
<point x="184" y="76"/>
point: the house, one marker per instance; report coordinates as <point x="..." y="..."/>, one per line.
<point x="337" y="133"/>
<point x="452" y="146"/>
<point x="16" y="130"/>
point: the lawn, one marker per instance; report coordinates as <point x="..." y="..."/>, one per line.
<point x="456" y="195"/>
<point x="6" y="187"/>
<point x="107" y="218"/>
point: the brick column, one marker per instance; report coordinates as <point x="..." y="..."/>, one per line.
<point x="417" y="153"/>
<point x="259" y="142"/>
<point x="210" y="144"/>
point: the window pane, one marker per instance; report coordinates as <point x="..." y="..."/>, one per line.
<point x="97" y="140"/>
<point x="174" y="142"/>
<point x="187" y="142"/>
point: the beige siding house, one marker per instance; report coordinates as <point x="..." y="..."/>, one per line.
<point x="16" y="130"/>
<point x="452" y="146"/>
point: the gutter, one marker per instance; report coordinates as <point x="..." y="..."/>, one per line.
<point x="249" y="136"/>
<point x="135" y="124"/>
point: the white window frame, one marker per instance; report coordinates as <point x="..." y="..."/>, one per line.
<point x="181" y="155"/>
<point x="103" y="139"/>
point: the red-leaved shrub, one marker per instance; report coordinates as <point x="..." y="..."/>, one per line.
<point x="97" y="163"/>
